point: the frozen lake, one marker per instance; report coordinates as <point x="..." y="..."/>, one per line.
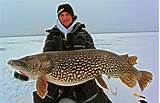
<point x="143" y="45"/>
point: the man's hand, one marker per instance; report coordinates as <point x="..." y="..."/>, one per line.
<point x="20" y="76"/>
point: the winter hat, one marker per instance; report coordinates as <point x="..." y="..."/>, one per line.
<point x="65" y="8"/>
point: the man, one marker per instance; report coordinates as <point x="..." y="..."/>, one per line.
<point x="69" y="34"/>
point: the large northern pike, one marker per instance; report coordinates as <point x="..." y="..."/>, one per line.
<point x="68" y="68"/>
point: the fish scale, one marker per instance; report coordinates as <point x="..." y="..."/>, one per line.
<point x="69" y="68"/>
<point x="89" y="65"/>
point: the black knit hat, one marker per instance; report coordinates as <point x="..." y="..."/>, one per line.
<point x="65" y="8"/>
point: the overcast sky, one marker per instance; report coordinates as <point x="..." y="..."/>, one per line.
<point x="32" y="17"/>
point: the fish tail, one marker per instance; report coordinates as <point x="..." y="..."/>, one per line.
<point x="144" y="78"/>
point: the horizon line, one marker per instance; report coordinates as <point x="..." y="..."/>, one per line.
<point x="90" y="33"/>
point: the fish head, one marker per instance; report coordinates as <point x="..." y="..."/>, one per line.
<point x="33" y="66"/>
<point x="19" y="66"/>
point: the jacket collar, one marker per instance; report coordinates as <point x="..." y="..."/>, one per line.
<point x="64" y="30"/>
<point x="73" y="28"/>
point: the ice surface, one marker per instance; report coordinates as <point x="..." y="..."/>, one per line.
<point x="144" y="45"/>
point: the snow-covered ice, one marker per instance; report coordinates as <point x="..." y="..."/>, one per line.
<point x="143" y="45"/>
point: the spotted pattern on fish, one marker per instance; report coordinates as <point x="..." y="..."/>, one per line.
<point x="74" y="67"/>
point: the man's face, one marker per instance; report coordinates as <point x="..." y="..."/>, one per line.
<point x="66" y="19"/>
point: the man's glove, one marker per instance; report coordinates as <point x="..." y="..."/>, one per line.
<point x="20" y="76"/>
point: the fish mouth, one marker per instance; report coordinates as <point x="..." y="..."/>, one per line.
<point x="10" y="62"/>
<point x="19" y="66"/>
<point x="14" y="63"/>
<point x="23" y="73"/>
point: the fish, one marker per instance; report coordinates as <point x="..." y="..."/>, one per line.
<point x="70" y="68"/>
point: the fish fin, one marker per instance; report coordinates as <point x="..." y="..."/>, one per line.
<point x="101" y="81"/>
<point x="41" y="86"/>
<point x="128" y="79"/>
<point x="125" y="56"/>
<point x="144" y="78"/>
<point x="132" y="60"/>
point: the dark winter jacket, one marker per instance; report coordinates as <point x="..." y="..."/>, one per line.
<point x="78" y="38"/>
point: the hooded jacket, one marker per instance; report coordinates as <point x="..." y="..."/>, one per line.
<point x="60" y="39"/>
<point x="76" y="37"/>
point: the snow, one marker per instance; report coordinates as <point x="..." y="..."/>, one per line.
<point x="143" y="45"/>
